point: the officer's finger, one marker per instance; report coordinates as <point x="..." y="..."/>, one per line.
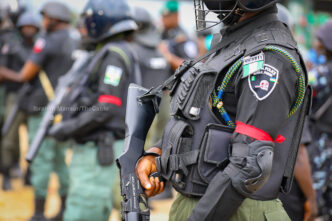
<point x="162" y="186"/>
<point x="143" y="177"/>
<point x="157" y="188"/>
<point x="150" y="191"/>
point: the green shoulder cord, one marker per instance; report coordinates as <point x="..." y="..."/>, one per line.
<point x="217" y="99"/>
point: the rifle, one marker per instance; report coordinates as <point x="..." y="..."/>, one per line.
<point x="61" y="92"/>
<point x="139" y="117"/>
<point x="11" y="118"/>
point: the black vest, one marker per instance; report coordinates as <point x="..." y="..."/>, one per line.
<point x="195" y="143"/>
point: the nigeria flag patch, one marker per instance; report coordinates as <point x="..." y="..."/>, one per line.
<point x="263" y="82"/>
<point x="251" y="64"/>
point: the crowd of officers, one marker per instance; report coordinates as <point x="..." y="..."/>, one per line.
<point x="127" y="47"/>
<point x="34" y="56"/>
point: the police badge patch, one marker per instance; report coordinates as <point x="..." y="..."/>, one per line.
<point x="113" y="75"/>
<point x="263" y="82"/>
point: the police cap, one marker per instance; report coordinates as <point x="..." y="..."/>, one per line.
<point x="28" y="19"/>
<point x="57" y="10"/>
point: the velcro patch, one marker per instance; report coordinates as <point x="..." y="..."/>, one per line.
<point x="113" y="75"/>
<point x="251" y="64"/>
<point x="39" y="45"/>
<point x="263" y="82"/>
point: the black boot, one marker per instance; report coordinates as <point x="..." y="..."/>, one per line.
<point x="39" y="210"/>
<point x="59" y="216"/>
<point x="6" y="183"/>
<point x="27" y="177"/>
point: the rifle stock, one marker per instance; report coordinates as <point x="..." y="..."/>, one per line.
<point x="139" y="117"/>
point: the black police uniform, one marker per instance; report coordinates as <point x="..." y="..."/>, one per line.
<point x="52" y="53"/>
<point x="15" y="52"/>
<point x="264" y="107"/>
<point x="109" y="75"/>
<point x="6" y="35"/>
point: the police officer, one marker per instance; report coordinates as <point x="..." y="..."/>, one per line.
<point x="321" y="126"/>
<point x="153" y="66"/>
<point x="3" y="33"/>
<point x="177" y="45"/>
<point x="98" y="128"/>
<point x="15" y="52"/>
<point x="234" y="119"/>
<point x="50" y="59"/>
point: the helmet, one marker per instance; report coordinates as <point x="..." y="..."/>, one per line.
<point x="228" y="11"/>
<point x="285" y="16"/>
<point x="324" y="34"/>
<point x="4" y="9"/>
<point x="147" y="32"/>
<point x="105" y="18"/>
<point x="28" y="19"/>
<point x="57" y="10"/>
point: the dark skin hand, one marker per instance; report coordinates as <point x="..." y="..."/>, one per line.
<point x="145" y="166"/>
<point x="302" y="175"/>
<point x="28" y="72"/>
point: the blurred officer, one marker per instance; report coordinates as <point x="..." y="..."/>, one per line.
<point x="177" y="46"/>
<point x="15" y="52"/>
<point x="153" y="66"/>
<point x="300" y="202"/>
<point x="99" y="127"/>
<point x="3" y="33"/>
<point x="235" y="119"/>
<point x="50" y="59"/>
<point x="321" y="127"/>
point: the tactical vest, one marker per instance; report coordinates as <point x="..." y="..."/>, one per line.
<point x="196" y="144"/>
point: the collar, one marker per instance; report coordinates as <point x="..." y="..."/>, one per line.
<point x="262" y="18"/>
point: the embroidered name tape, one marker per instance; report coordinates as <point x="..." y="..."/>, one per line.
<point x="251" y="64"/>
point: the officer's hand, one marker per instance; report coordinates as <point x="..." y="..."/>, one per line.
<point x="310" y="210"/>
<point x="146" y="166"/>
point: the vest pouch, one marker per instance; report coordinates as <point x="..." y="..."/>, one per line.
<point x="215" y="152"/>
<point x="190" y="94"/>
<point x="177" y="153"/>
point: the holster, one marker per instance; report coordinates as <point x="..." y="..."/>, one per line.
<point x="105" y="152"/>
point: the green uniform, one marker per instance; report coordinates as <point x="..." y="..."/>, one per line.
<point x="90" y="192"/>
<point x="10" y="142"/>
<point x="51" y="157"/>
<point x="250" y="210"/>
